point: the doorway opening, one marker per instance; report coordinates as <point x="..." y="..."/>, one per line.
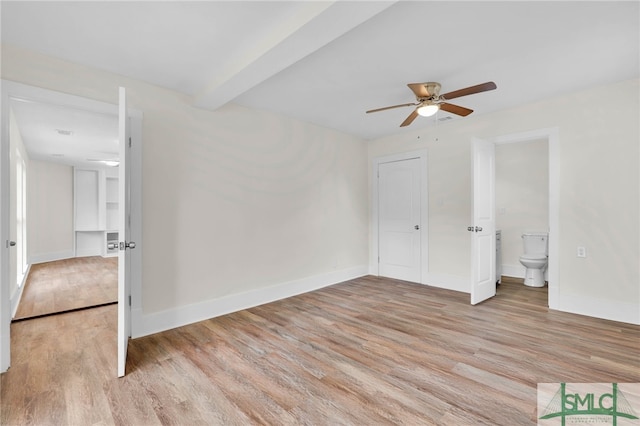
<point x="24" y="93"/>
<point x="532" y="204"/>
<point x="70" y="160"/>
<point x="522" y="204"/>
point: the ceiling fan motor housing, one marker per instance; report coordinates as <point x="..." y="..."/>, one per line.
<point x="433" y="89"/>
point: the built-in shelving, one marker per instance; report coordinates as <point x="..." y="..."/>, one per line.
<point x="111" y="203"/>
<point x="96" y="211"/>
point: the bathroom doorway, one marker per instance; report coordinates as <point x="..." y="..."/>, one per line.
<point x="526" y="177"/>
<point x="522" y="198"/>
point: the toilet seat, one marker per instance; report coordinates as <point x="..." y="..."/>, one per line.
<point x="534" y="257"/>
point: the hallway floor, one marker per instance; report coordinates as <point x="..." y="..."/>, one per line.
<point x="69" y="284"/>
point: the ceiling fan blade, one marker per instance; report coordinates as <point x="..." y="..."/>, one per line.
<point x="391" y="107"/>
<point x="484" y="87"/>
<point x="455" y="109"/>
<point x="410" y="118"/>
<point x="419" y="89"/>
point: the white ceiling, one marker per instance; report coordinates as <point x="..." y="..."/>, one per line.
<point x="66" y="135"/>
<point x="329" y="62"/>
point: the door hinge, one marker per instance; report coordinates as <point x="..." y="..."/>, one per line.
<point x="129" y="142"/>
<point x="129" y="300"/>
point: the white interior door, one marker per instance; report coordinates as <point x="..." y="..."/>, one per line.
<point x="399" y="214"/>
<point x="5" y="248"/>
<point x="124" y="231"/>
<point x="483" y="229"/>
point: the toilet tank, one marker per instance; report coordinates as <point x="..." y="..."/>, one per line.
<point x="536" y="242"/>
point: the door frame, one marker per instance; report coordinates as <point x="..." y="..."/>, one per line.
<point x="551" y="134"/>
<point x="374" y="253"/>
<point x="12" y="89"/>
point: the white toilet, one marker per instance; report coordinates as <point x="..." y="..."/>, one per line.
<point x="535" y="257"/>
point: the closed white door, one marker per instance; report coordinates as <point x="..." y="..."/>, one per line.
<point x="483" y="229"/>
<point x="399" y="212"/>
<point x="124" y="228"/>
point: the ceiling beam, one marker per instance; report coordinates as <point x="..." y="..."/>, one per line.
<point x="315" y="25"/>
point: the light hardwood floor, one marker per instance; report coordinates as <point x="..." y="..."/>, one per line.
<point x="69" y="284"/>
<point x="370" y="351"/>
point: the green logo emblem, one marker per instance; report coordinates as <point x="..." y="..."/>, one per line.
<point x="582" y="406"/>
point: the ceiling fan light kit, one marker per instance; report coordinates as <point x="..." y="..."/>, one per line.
<point x="427" y="109"/>
<point x="429" y="100"/>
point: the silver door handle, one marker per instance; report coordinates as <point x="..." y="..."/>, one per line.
<point x="130" y="245"/>
<point x="112" y="246"/>
<point x="478" y="228"/>
<point x="470" y="228"/>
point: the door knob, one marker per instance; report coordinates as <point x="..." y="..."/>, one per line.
<point x="470" y="228"/>
<point x="112" y="246"/>
<point x="416" y="227"/>
<point x="11" y="243"/>
<point x="130" y="245"/>
<point x="478" y="228"/>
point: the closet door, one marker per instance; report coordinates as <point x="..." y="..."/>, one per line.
<point x="399" y="219"/>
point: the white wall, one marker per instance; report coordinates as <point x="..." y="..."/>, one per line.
<point x="240" y="202"/>
<point x="599" y="193"/>
<point x="522" y="197"/>
<point x="49" y="211"/>
<point x="239" y="206"/>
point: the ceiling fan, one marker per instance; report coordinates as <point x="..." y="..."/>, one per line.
<point x="429" y="100"/>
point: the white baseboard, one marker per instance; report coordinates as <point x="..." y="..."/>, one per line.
<point x="145" y="324"/>
<point x="449" y="282"/>
<point x="515" y="271"/>
<point x="51" y="257"/>
<point x="88" y="252"/>
<point x="600" y="308"/>
<point x="15" y="300"/>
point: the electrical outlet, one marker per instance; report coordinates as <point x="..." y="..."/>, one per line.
<point x="581" y="252"/>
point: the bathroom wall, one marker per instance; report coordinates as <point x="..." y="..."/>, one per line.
<point x="522" y="197"/>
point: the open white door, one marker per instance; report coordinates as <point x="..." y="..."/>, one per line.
<point x="5" y="247"/>
<point x="483" y="246"/>
<point x="124" y="231"/>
